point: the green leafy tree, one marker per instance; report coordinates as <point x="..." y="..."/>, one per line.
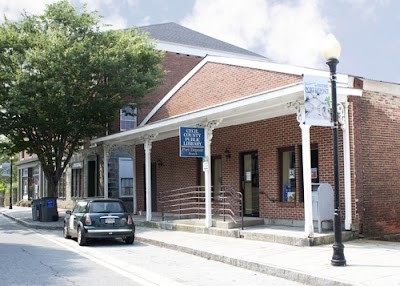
<point x="5" y="157"/>
<point x="63" y="79"/>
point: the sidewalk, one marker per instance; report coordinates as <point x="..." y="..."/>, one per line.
<point x="368" y="262"/>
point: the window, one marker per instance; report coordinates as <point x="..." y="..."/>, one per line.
<point x="287" y="161"/>
<point x="127" y="117"/>
<point x="36" y="182"/>
<point x="314" y="169"/>
<point x="77" y="182"/>
<point x="125" y="177"/>
<point x="61" y="186"/>
<point x="25" y="183"/>
<point x="106" y="207"/>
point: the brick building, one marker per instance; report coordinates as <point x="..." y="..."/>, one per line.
<point x="253" y="111"/>
<point x="257" y="144"/>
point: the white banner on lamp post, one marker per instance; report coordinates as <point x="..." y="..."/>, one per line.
<point x="6" y="169"/>
<point x="317" y="100"/>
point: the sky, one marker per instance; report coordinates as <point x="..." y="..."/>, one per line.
<point x="285" y="31"/>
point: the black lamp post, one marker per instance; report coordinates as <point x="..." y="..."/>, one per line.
<point x="11" y="161"/>
<point x="331" y="53"/>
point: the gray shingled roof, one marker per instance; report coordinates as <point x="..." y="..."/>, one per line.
<point x="174" y="33"/>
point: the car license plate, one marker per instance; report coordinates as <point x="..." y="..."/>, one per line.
<point x="110" y="220"/>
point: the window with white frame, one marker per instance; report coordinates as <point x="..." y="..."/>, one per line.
<point x="125" y="177"/>
<point x="127" y="118"/>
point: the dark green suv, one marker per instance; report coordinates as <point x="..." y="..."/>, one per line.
<point x="99" y="218"/>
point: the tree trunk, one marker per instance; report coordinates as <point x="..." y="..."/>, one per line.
<point x="52" y="188"/>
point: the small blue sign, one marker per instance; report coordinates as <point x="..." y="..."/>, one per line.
<point x="191" y="142"/>
<point x="49" y="203"/>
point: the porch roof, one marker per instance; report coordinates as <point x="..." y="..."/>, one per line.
<point x="264" y="105"/>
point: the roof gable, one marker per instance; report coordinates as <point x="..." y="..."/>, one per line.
<point x="216" y="83"/>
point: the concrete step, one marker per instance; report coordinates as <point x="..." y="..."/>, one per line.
<point x="270" y="233"/>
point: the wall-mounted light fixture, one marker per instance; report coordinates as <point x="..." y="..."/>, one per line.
<point x="160" y="163"/>
<point x="227" y="153"/>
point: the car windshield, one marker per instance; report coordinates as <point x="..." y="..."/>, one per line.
<point x="106" y="207"/>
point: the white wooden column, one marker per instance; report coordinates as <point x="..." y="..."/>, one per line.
<point x="208" y="131"/>
<point x="134" y="198"/>
<point x="107" y="150"/>
<point x="343" y="112"/>
<point x="306" y="156"/>
<point x="148" y="139"/>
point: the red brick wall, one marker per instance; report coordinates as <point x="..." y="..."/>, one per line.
<point x="380" y="165"/>
<point x="218" y="83"/>
<point x="177" y="67"/>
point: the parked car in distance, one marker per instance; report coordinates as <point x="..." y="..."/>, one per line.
<point x="99" y="218"/>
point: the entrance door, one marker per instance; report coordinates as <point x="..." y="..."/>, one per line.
<point x="249" y="183"/>
<point x="92" y="178"/>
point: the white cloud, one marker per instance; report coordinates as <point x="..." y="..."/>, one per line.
<point x="13" y="9"/>
<point x="111" y="10"/>
<point x="238" y="22"/>
<point x="285" y="31"/>
<point x="368" y="8"/>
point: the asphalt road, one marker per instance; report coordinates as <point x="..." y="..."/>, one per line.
<point x="43" y="257"/>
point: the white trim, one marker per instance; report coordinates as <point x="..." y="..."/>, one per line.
<point x="199" y="51"/>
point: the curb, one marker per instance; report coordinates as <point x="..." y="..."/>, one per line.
<point x="288" y="274"/>
<point x="31" y="225"/>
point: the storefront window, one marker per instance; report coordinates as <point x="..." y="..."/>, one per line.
<point x="36" y="182"/>
<point x="288" y="174"/>
<point x="77" y="190"/>
<point x="25" y="184"/>
<point x="314" y="169"/>
<point x="61" y="186"/>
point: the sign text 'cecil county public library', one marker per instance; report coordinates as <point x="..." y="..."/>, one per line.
<point x="191" y="142"/>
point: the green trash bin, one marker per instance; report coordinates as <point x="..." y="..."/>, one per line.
<point x="35" y="209"/>
<point x="48" y="209"/>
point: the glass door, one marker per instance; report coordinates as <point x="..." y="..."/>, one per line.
<point x="250" y="183"/>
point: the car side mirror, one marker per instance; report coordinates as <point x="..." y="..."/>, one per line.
<point x="68" y="212"/>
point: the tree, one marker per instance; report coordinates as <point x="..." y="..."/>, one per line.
<point x="63" y="79"/>
<point x="5" y="157"/>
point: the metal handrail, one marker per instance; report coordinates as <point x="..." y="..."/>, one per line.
<point x="190" y="201"/>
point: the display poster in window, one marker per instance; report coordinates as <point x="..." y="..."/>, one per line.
<point x="317" y="100"/>
<point x="314" y="173"/>
<point x="292" y="173"/>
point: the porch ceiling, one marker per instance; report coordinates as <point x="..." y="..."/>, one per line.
<point x="257" y="107"/>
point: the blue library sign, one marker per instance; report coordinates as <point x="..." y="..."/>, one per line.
<point x="191" y="142"/>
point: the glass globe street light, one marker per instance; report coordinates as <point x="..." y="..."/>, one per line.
<point x="331" y="51"/>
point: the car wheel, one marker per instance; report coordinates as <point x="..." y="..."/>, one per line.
<point x="80" y="238"/>
<point x="129" y="239"/>
<point x="65" y="231"/>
